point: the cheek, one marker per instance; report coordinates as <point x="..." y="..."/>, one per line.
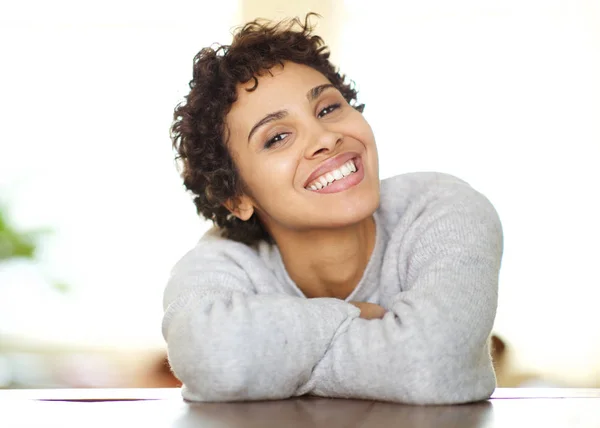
<point x="360" y="129"/>
<point x="283" y="167"/>
<point x="367" y="132"/>
<point x="272" y="172"/>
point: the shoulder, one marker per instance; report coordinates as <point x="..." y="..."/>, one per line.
<point x="222" y="263"/>
<point x="213" y="250"/>
<point x="415" y="183"/>
<point x="400" y="192"/>
<point x="418" y="196"/>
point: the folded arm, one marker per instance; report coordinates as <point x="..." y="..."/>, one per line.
<point x="227" y="343"/>
<point x="431" y="347"/>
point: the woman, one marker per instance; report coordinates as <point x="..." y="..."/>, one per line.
<point x="318" y="278"/>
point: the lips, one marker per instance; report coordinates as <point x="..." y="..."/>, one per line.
<point x="330" y="165"/>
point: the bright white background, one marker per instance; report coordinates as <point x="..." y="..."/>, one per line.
<point x="88" y="91"/>
<point x="506" y="95"/>
<point x="503" y="94"/>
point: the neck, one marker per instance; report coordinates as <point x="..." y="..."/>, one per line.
<point x="328" y="263"/>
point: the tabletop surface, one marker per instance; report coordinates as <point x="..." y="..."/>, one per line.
<point x="164" y="407"/>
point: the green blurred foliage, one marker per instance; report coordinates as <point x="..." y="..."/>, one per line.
<point x="14" y="243"/>
<point x="21" y="244"/>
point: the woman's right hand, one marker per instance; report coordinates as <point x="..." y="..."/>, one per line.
<point x="369" y="311"/>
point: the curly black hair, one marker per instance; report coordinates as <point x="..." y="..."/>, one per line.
<point x="198" y="132"/>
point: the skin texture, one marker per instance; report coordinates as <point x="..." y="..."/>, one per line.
<point x="369" y="311"/>
<point x="325" y="239"/>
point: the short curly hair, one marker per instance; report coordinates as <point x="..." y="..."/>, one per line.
<point x="198" y="131"/>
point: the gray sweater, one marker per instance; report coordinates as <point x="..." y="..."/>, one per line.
<point x="238" y="328"/>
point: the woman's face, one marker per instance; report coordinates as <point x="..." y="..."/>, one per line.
<point x="307" y="157"/>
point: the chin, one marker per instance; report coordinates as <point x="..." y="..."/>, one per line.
<point x="356" y="213"/>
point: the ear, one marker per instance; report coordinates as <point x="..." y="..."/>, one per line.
<point x="243" y="209"/>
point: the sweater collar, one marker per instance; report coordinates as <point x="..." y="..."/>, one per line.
<point x="367" y="285"/>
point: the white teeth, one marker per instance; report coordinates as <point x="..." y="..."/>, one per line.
<point x="337" y="174"/>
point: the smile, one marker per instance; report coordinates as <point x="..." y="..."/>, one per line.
<point x="348" y="175"/>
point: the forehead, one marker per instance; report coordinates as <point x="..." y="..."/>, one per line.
<point x="281" y="79"/>
<point x="278" y="88"/>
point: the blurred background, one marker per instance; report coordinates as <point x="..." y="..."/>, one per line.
<point x="93" y="215"/>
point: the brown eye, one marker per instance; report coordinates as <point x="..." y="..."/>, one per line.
<point x="329" y="109"/>
<point x="275" y="140"/>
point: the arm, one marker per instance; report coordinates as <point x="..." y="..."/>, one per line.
<point x="227" y="343"/>
<point x="431" y="346"/>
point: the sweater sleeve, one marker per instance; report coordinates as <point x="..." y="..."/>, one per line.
<point x="432" y="345"/>
<point x="228" y="343"/>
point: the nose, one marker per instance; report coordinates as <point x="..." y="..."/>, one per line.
<point x="321" y="141"/>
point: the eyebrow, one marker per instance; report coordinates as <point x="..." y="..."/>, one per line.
<point x="317" y="90"/>
<point x="278" y="115"/>
<point x="268" y="118"/>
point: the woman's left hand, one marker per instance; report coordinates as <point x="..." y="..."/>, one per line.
<point x="369" y="311"/>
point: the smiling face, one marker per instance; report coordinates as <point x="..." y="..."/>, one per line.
<point x="289" y="138"/>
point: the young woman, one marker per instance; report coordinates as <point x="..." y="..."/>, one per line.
<point x="318" y="278"/>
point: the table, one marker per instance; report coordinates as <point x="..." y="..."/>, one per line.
<point x="164" y="407"/>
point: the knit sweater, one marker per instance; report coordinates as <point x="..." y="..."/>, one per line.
<point x="238" y="328"/>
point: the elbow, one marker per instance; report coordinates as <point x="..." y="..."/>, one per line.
<point x="216" y="387"/>
<point x="459" y="371"/>
<point x="469" y="385"/>
<point x="224" y="367"/>
<point x="209" y="377"/>
<point x="454" y="379"/>
<point x="206" y="363"/>
<point x="209" y="363"/>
